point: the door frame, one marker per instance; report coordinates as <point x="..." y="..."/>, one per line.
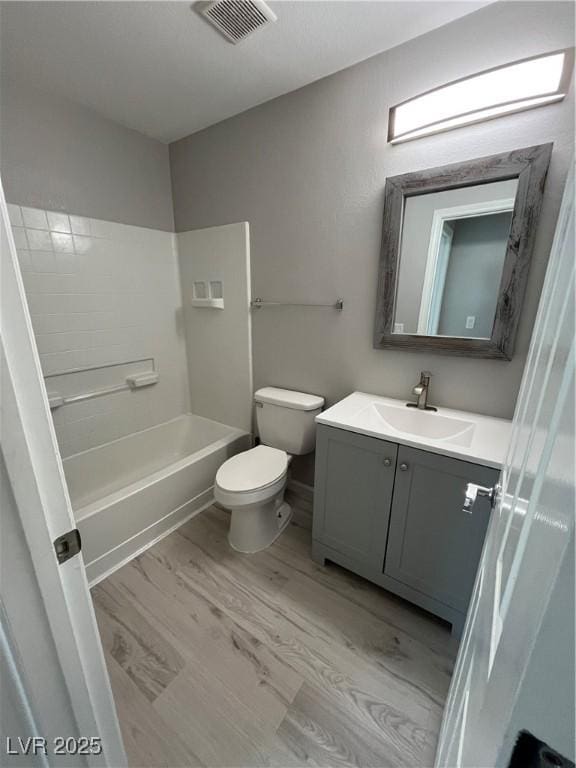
<point x="36" y="475"/>
<point x="434" y="283"/>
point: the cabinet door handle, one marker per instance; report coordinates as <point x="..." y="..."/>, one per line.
<point x="403" y="466"/>
<point x="387" y="462"/>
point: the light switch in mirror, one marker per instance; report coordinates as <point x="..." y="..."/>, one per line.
<point x="453" y="247"/>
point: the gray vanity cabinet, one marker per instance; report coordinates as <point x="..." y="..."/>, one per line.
<point x="393" y="514"/>
<point x="433" y="545"/>
<point x="353" y="494"/>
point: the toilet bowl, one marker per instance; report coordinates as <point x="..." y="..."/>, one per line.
<point x="251" y="484"/>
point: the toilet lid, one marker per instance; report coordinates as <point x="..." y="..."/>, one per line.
<point x="253" y="469"/>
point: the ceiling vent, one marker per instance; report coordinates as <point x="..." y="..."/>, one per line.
<point x="237" y="19"/>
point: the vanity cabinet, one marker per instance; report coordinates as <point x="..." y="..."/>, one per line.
<point x="393" y="514"/>
<point x="352" y="504"/>
<point x="433" y="545"/>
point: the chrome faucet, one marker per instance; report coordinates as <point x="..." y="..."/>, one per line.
<point x="421" y="390"/>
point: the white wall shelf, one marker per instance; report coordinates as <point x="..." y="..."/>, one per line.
<point x="207" y="303"/>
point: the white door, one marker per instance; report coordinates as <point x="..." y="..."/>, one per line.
<point x="54" y="684"/>
<point x="526" y="571"/>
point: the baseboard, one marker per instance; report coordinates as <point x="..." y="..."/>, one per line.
<point x="105" y="565"/>
<point x="304" y="493"/>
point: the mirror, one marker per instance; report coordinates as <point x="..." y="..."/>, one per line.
<point x="456" y="245"/>
<point x="452" y="249"/>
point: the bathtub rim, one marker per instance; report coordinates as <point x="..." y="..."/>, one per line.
<point x="149" y="429"/>
<point x="94" y="507"/>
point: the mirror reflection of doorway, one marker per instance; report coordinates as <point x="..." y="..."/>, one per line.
<point x="444" y="249"/>
<point x="439" y="231"/>
<point x="465" y="262"/>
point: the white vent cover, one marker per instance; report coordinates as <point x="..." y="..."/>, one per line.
<point x="237" y="19"/>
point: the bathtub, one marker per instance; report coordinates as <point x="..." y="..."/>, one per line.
<point x="131" y="492"/>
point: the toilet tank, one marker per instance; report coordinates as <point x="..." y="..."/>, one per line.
<point x="286" y="419"/>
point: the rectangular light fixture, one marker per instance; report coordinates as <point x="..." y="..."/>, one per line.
<point x="501" y="91"/>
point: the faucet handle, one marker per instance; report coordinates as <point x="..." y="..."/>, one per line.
<point x="425" y="375"/>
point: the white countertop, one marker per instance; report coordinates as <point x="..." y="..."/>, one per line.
<point x="487" y="437"/>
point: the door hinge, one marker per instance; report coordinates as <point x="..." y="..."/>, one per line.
<point x="68" y="545"/>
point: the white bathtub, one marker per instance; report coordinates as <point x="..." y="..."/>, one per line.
<point x="129" y="493"/>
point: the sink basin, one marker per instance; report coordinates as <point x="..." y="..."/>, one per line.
<point x="461" y="435"/>
<point x="426" y="424"/>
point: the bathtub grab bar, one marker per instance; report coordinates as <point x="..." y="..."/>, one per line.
<point x="57" y="401"/>
<point x="132" y="381"/>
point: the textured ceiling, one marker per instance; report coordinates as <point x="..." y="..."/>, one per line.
<point x="159" y="68"/>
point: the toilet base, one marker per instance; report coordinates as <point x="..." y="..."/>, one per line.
<point x="256" y="527"/>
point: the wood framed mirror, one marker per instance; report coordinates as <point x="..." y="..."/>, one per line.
<point x="456" y="247"/>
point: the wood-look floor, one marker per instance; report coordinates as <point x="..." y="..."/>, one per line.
<point x="221" y="659"/>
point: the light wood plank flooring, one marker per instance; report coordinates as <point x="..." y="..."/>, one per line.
<point x="221" y="659"/>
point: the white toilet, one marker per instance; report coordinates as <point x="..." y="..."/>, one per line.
<point x="251" y="484"/>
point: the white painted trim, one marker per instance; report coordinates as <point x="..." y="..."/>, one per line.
<point x="439" y="281"/>
<point x="99" y="569"/>
<point x="470" y="210"/>
<point x="36" y="475"/>
<point x="249" y="322"/>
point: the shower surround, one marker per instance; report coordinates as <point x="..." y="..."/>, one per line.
<point x="101" y="293"/>
<point x="106" y="303"/>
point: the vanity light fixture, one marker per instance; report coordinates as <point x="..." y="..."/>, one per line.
<point x="500" y="91"/>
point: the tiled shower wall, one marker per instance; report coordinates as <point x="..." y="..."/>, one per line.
<point x="101" y="293"/>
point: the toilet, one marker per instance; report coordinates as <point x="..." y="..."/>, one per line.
<point x="251" y="484"/>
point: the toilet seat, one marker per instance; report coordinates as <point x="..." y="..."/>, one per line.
<point x="252" y="470"/>
<point x="251" y="477"/>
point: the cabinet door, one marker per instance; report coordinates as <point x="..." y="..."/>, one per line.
<point x="353" y="494"/>
<point x="434" y="546"/>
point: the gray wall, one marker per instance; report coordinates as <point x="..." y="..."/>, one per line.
<point x="58" y="155"/>
<point x="474" y="273"/>
<point x="308" y="169"/>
